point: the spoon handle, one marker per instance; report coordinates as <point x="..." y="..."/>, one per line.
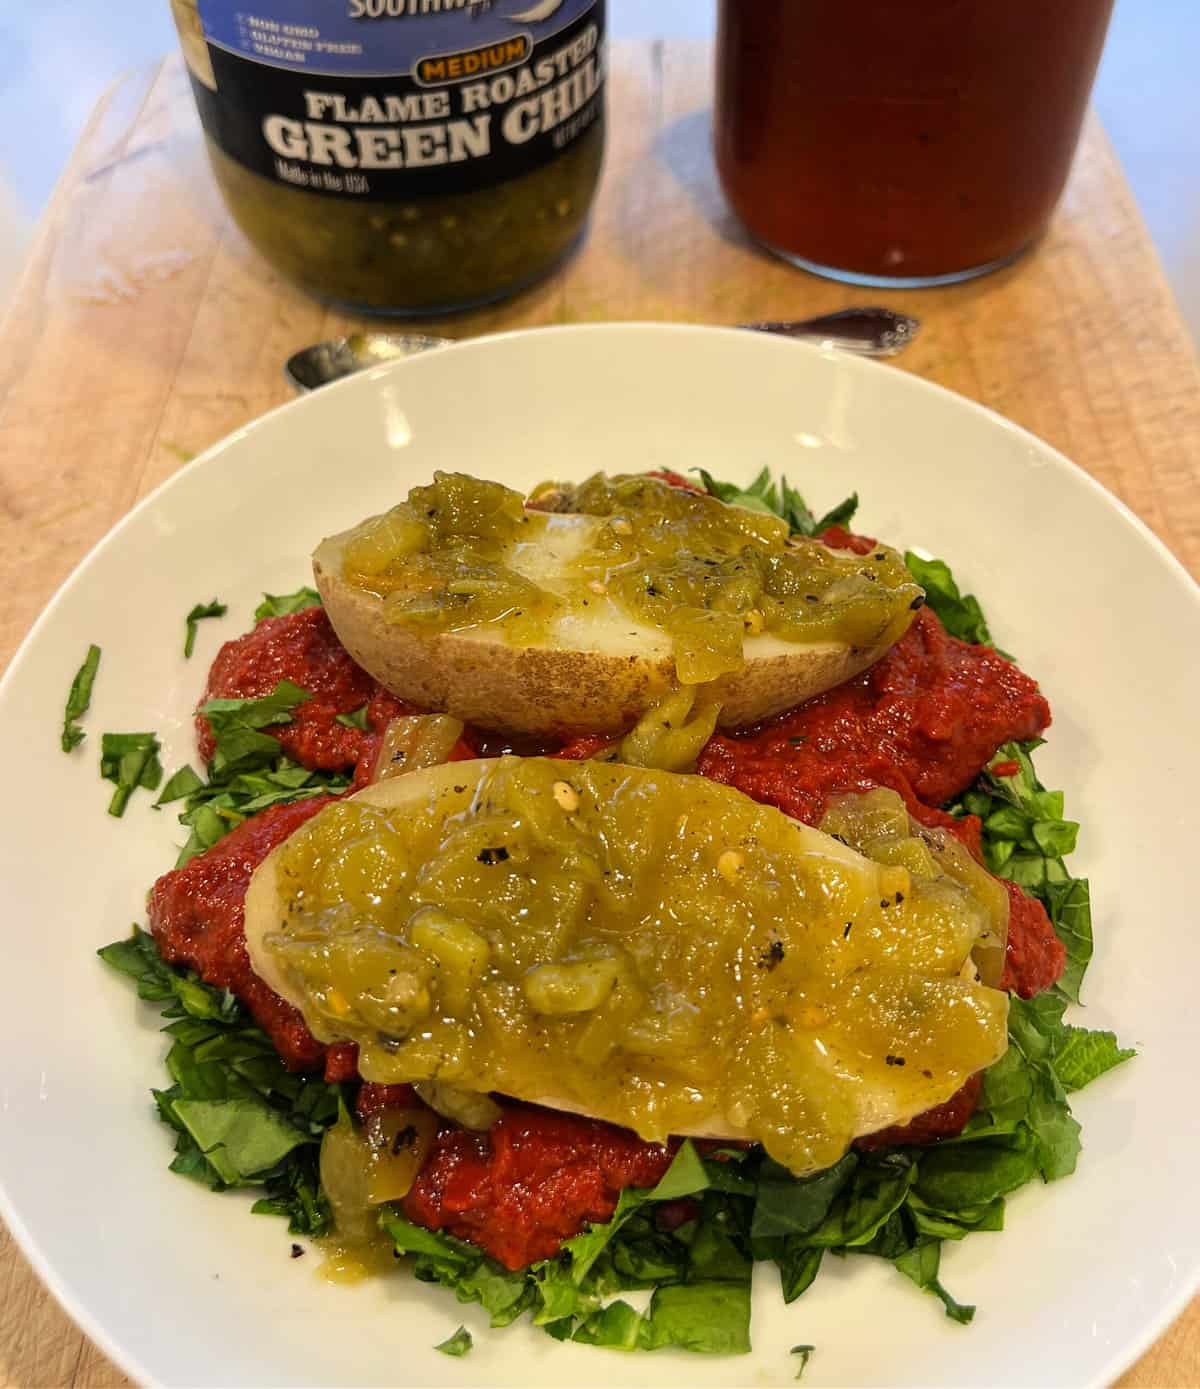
<point x="871" y="332"/>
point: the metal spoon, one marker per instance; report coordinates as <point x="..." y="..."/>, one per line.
<point x="869" y="332"/>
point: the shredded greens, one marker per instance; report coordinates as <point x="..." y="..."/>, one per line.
<point x="239" y="1118"/>
<point x="960" y="614"/>
<point x="248" y="770"/>
<point x="78" y="699"/>
<point x="782" y="500"/>
<point x="196" y="616"/>
<point x="803" y="1356"/>
<point x="458" y="1344"/>
<point x="129" y="761"/>
<point x="280" y="604"/>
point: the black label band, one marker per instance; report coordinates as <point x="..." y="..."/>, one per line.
<point x="459" y="122"/>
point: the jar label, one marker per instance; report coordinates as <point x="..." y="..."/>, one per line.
<point x="393" y="99"/>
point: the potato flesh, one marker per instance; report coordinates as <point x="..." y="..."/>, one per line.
<point x="665" y="954"/>
<point x="634" y="555"/>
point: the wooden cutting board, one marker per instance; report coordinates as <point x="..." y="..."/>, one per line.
<point x="146" y="328"/>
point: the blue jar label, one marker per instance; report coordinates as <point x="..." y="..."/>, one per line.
<point x="394" y="99"/>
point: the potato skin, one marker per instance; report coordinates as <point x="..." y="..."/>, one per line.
<point x="553" y="691"/>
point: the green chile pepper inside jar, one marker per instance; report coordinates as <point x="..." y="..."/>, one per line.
<point x="402" y="156"/>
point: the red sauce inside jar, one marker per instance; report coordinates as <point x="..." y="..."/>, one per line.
<point x="901" y="139"/>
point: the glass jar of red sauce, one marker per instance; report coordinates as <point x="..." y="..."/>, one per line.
<point x="901" y="142"/>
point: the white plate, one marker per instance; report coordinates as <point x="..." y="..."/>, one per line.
<point x="185" y="1288"/>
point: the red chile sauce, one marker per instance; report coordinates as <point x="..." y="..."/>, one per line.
<point x="924" y="720"/>
<point x="901" y="139"/>
<point x="197" y="914"/>
<point x="533" y="1180"/>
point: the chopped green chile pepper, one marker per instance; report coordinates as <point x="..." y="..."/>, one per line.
<point x="425" y="254"/>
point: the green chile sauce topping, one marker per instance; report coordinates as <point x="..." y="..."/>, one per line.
<point x="654" y="949"/>
<point x="707" y="574"/>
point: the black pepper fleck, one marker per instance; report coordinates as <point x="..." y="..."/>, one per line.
<point x="771" y="956"/>
<point x="402" y="1139"/>
<point x="894" y="1060"/>
<point x="297" y="1251"/>
<point x="490" y="856"/>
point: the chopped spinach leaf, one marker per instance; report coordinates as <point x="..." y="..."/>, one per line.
<point x="181" y="784"/>
<point x="783" y="501"/>
<point x="798" y="1266"/>
<point x="711" y="1316"/>
<point x="237" y="723"/>
<point x="280" y="604"/>
<point x="358" y="719"/>
<point x="878" y="1186"/>
<point x="618" y="1326"/>
<point x="1026" y="838"/>
<point x="129" y="760"/>
<point x="786" y="1205"/>
<point x="214" y="808"/>
<point x="1083" y="1054"/>
<point x="920" y="1263"/>
<point x="241" y="1138"/>
<point x="1027" y="1086"/>
<point x="137" y="957"/>
<point x="458" y="1344"/>
<point x="686" y="1175"/>
<point x="196" y="616"/>
<point x="805" y="1355"/>
<point x="960" y="614"/>
<point x="294" y="1192"/>
<point x="78" y="699"/>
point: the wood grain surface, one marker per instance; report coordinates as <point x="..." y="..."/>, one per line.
<point x="146" y="328"/>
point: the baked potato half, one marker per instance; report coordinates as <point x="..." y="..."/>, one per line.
<point x="594" y="676"/>
<point x="578" y="612"/>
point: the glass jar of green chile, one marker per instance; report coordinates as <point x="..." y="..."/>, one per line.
<point x="404" y="157"/>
